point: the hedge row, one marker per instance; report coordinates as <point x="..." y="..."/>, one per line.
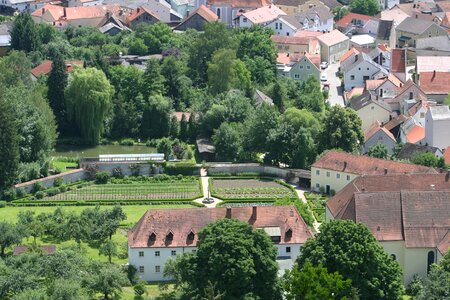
<point x="93" y="203"/>
<point x="181" y="168"/>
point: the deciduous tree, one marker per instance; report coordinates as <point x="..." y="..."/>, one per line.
<point x="9" y="236"/>
<point x="365" y="7"/>
<point x="378" y="150"/>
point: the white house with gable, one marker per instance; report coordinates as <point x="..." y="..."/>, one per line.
<point x="162" y="234"/>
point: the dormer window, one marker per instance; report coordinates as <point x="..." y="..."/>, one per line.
<point x="152" y="237"/>
<point x="191" y="236"/>
<point x="169" y="236"/>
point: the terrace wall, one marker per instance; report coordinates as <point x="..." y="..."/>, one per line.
<point x="295" y="174"/>
<point x="125" y="167"/>
<point x="47" y="182"/>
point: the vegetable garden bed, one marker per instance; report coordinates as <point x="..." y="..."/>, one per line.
<point x="238" y="189"/>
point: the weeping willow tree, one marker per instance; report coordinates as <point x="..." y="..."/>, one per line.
<point x="88" y="98"/>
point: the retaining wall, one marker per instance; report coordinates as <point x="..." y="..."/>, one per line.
<point x="47" y="182"/>
<point x="125" y="167"/>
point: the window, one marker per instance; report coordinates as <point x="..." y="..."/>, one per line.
<point x="287" y="33"/>
<point x="393" y="257"/>
<point x="281" y="26"/>
<point x="328" y="174"/>
<point x="301" y="67"/>
<point x="296" y="76"/>
<point x="141" y="253"/>
<point x="359" y="69"/>
<point x="366" y="78"/>
<point x="169" y="236"/>
<point x="308" y="67"/>
<point x="289" y="233"/>
<point x="157" y="269"/>
<point x="244" y="20"/>
<point x="338" y="175"/>
<point x="288" y="249"/>
<point x="352" y="77"/>
<point x="411" y="95"/>
<point x="317" y="185"/>
<point x="157" y="253"/>
<point x="218" y="12"/>
<point x="422" y="115"/>
<point x="348" y="177"/>
<point x="152" y="237"/>
<point x="372" y="107"/>
<point x="367" y="69"/>
<point x="317" y="172"/>
<point x="430" y="260"/>
<point x="191" y="236"/>
<point x="141" y="269"/>
<point x="174" y="252"/>
<point x="276" y="25"/>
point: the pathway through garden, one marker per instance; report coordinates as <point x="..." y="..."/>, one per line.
<point x="205" y="185"/>
<point x="301" y="194"/>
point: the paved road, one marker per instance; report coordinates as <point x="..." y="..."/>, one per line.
<point x="335" y="95"/>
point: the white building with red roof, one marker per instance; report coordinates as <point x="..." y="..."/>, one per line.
<point x="162" y="234"/>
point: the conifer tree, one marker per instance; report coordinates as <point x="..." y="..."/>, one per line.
<point x="57" y="82"/>
<point x="9" y="146"/>
<point x="24" y="34"/>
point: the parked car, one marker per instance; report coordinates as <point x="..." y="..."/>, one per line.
<point x="324" y="65"/>
<point x="323" y="77"/>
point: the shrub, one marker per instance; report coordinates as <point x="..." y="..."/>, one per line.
<point x="127" y="142"/>
<point x="161" y="177"/>
<point x="415" y="286"/>
<point x="37" y="186"/>
<point x="139" y="289"/>
<point x="91" y="171"/>
<point x="62" y="189"/>
<point x="135" y="169"/>
<point x="58" y="181"/>
<point x="117" y="173"/>
<point x="20" y="192"/>
<point x="2" y="204"/>
<point x="332" y="192"/>
<point x="182" y="168"/>
<point x="39" y="195"/>
<point x="101" y="178"/>
<point x="9" y="194"/>
<point x="52" y="192"/>
<point x="322" y="190"/>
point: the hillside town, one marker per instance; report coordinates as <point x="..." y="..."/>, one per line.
<point x="224" y="149"/>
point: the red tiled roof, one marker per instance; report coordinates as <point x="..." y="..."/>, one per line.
<point x="447" y="155"/>
<point x="435" y="82"/>
<point x="349" y="53"/>
<point x="291" y="40"/>
<point x="346" y="20"/>
<point x="139" y="12"/>
<point x="48" y="249"/>
<point x="181" y="222"/>
<point x="89" y="12"/>
<point x="339" y="204"/>
<point x="356" y="91"/>
<point x="332" y="38"/>
<point x="307" y="33"/>
<point x="374" y="128"/>
<point x="365" y="165"/>
<point x="372" y="84"/>
<point x="239" y="3"/>
<point x="264" y="14"/>
<point x="45" y="67"/>
<point x="56" y="11"/>
<point x="206" y="13"/>
<point x="416" y="134"/>
<point x="179" y="115"/>
<point x="398" y="62"/>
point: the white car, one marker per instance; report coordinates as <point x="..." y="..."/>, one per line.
<point x="324" y="65"/>
<point x="323" y="77"/>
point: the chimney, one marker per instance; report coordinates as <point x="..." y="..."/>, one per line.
<point x="43" y="10"/>
<point x="138" y="10"/>
<point x="356" y="57"/>
<point x="434" y="74"/>
<point x="254" y="215"/>
<point x="345" y="165"/>
<point x="385" y="171"/>
<point x="228" y="215"/>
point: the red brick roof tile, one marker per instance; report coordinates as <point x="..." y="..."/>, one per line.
<point x="435" y="82"/>
<point x="46" y="66"/>
<point x="347" y="19"/>
<point x="398" y="61"/>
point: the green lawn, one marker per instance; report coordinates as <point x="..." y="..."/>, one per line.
<point x="62" y="165"/>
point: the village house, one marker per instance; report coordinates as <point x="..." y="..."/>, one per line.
<point x="409" y="151"/>
<point x="333" y="46"/>
<point x="436" y="85"/>
<point x="259" y="98"/>
<point x="315" y="18"/>
<point x="437" y="124"/>
<point x="141" y="15"/>
<point x="5" y="38"/>
<point x="292" y="7"/>
<point x="334" y="170"/>
<point x="271" y="17"/>
<point x="408" y="92"/>
<point x="197" y="19"/>
<point x="394" y="125"/>
<point x="362" y="41"/>
<point x="377" y="134"/>
<point x="362" y="68"/>
<point x="412" y="132"/>
<point x="370" y="110"/>
<point x="163" y="234"/>
<point x="357" y="24"/>
<point x="296" y="44"/>
<point x="412" y="29"/>
<point x="46" y="67"/>
<point x="406" y="213"/>
<point x="415" y="109"/>
<point x="299" y="66"/>
<point x="384" y="88"/>
<point x="386" y="33"/>
<point x="228" y="10"/>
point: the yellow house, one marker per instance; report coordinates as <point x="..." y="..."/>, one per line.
<point x="334" y="170"/>
<point x="370" y="110"/>
<point x="407" y="213"/>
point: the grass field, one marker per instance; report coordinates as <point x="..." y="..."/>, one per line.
<point x="248" y="189"/>
<point x="177" y="190"/>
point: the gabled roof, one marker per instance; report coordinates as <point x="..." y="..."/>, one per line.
<point x="204" y="12"/>
<point x="349" y="53"/>
<point x="374" y="128"/>
<point x="56" y="11"/>
<point x="139" y="12"/>
<point x="291" y="22"/>
<point x="261" y="98"/>
<point x="264" y="14"/>
<point x="435" y="83"/>
<point x="410" y="150"/>
<point x="395" y="14"/>
<point x="183" y="221"/>
<point x="394" y="122"/>
<point x="414" y="25"/>
<point x="239" y="3"/>
<point x="89" y="12"/>
<point x="365" y="165"/>
<point x="366" y="99"/>
<point x="46" y="66"/>
<point x="398" y="61"/>
<point x="47" y="249"/>
<point x="332" y="38"/>
<point x="348" y="19"/>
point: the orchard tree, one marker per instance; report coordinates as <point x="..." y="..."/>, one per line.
<point x="379" y="150"/>
<point x="365" y="7"/>
<point x="108" y="249"/>
<point x="57" y="82"/>
<point x="341" y="129"/>
<point x="316" y="283"/>
<point x="237" y="260"/>
<point x="14" y="69"/>
<point x="107" y="279"/>
<point x="9" y="236"/>
<point x="24" y="34"/>
<point x="352" y="250"/>
<point x="9" y="145"/>
<point x="88" y="99"/>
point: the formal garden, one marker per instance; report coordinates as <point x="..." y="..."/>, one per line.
<point x="317" y="203"/>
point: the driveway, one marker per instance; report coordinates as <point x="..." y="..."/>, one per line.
<point x="335" y="96"/>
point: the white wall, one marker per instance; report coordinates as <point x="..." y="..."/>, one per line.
<point x="380" y="137"/>
<point x="371" y="113"/>
<point x="336" y="180"/>
<point x="359" y="71"/>
<point x="280" y="27"/>
<point x="437" y="132"/>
